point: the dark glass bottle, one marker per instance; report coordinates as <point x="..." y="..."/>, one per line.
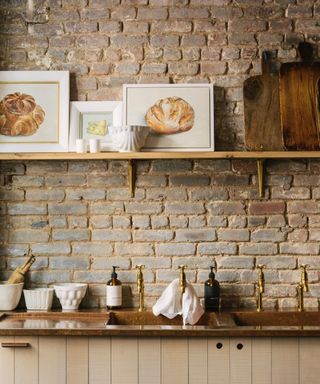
<point x="114" y="291"/>
<point x="211" y="293"/>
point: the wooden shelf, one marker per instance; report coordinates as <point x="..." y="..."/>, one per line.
<point x="160" y="155"/>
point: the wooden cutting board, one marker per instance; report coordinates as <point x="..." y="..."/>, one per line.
<point x="299" y="102"/>
<point x="262" y="110"/>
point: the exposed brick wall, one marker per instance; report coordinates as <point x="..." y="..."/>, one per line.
<point x="78" y="218"/>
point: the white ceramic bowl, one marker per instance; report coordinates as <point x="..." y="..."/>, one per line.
<point x="39" y="299"/>
<point x="9" y="296"/>
<point x="129" y="138"/>
<point x="70" y="295"/>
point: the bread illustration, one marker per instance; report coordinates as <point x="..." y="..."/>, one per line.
<point x="170" y="115"/>
<point x="20" y="115"/>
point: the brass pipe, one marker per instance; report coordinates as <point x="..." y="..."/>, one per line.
<point x="302" y="286"/>
<point x="131" y="177"/>
<point x="260" y="286"/>
<point x="260" y="177"/>
<point x="183" y="280"/>
<point x="140" y="285"/>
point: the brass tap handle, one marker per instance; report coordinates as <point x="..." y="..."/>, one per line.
<point x="140" y="280"/>
<point x="261" y="280"/>
<point x="183" y="280"/>
<point x="304" y="277"/>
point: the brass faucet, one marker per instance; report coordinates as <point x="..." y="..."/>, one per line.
<point x="183" y="281"/>
<point x="260" y="287"/>
<point x="140" y="285"/>
<point x="302" y="286"/>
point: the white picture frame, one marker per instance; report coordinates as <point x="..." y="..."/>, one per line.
<point x="34" y="111"/>
<point x="85" y="117"/>
<point x="138" y="98"/>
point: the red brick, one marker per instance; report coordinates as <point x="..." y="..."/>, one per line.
<point x="266" y="208"/>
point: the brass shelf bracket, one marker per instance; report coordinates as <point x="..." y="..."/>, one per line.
<point x="132" y="177"/>
<point x="260" y="163"/>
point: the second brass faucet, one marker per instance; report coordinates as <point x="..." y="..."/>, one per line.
<point x="302" y="286"/>
<point x="183" y="281"/>
<point x="260" y="287"/>
<point x="140" y="285"/>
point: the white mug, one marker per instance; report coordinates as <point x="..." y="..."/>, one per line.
<point x="94" y="145"/>
<point x="81" y="146"/>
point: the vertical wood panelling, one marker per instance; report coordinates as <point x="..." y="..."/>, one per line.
<point x="99" y="360"/>
<point x="261" y="360"/>
<point x="26" y="364"/>
<point x="240" y="361"/>
<point x="174" y="360"/>
<point x="77" y="360"/>
<point x="309" y="351"/>
<point x="285" y="360"/>
<point x="124" y="360"/>
<point x="218" y="360"/>
<point x="198" y="360"/>
<point x="52" y="360"/>
<point x="6" y="361"/>
<point x="149" y="360"/>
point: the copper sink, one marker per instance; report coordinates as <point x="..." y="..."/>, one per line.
<point x="268" y="318"/>
<point x="131" y="318"/>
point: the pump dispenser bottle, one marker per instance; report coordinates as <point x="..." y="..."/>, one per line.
<point x="114" y="291"/>
<point x="211" y="293"/>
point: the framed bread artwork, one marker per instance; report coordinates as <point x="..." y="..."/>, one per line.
<point x="34" y="111"/>
<point x="180" y="116"/>
<point x="92" y="120"/>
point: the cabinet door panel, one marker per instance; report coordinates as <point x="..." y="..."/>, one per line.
<point x="149" y="360"/>
<point x="99" y="360"/>
<point x="198" y="360"/>
<point x="77" y="360"/>
<point x="261" y="360"/>
<point x="285" y="360"/>
<point x="174" y="359"/>
<point x="26" y="362"/>
<point x="240" y="361"/>
<point x="309" y="350"/>
<point x="124" y="360"/>
<point x="7" y="361"/>
<point x="218" y="360"/>
<point x="52" y="360"/>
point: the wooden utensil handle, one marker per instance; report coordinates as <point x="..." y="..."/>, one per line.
<point x="15" y="345"/>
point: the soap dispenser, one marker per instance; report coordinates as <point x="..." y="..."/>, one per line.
<point x="114" y="291"/>
<point x="211" y="293"/>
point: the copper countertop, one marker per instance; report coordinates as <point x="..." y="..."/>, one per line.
<point x="134" y="323"/>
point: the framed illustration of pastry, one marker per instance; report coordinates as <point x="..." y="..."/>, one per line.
<point x="92" y="120"/>
<point x="180" y="116"/>
<point x="34" y="111"/>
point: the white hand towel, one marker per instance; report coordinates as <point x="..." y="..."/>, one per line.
<point x="169" y="303"/>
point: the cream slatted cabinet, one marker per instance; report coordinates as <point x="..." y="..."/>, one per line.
<point x="160" y="360"/>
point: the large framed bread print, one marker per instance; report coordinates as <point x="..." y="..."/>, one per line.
<point x="180" y="116"/>
<point x="34" y="111"/>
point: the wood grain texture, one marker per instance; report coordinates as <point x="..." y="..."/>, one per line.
<point x="299" y="105"/>
<point x="262" y="113"/>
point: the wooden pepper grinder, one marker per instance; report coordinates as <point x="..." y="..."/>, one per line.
<point x="19" y="273"/>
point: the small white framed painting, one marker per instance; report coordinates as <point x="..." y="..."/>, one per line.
<point x="34" y="111"/>
<point x="92" y="120"/>
<point x="180" y="116"/>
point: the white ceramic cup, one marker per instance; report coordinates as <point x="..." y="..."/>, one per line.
<point x="81" y="146"/>
<point x="94" y="145"/>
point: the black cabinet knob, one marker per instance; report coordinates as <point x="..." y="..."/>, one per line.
<point x="239" y="346"/>
<point x="219" y="345"/>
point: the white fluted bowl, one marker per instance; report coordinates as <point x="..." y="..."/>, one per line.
<point x="38" y="299"/>
<point x="70" y="295"/>
<point x="9" y="296"/>
<point x="129" y="138"/>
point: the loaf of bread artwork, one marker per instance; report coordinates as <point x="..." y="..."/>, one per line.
<point x="20" y="115"/>
<point x="170" y="115"/>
